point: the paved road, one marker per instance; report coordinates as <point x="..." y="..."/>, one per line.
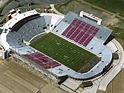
<point x="16" y="4"/>
<point x="2" y="2"/>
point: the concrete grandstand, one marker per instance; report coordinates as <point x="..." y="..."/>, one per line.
<point x="24" y="28"/>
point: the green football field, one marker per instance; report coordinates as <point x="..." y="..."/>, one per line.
<point x="63" y="51"/>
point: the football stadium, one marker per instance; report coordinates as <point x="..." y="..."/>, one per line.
<point x="68" y="45"/>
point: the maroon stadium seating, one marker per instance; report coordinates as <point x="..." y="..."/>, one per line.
<point x="80" y="32"/>
<point x="42" y="60"/>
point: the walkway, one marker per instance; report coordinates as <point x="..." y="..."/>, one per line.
<point x="53" y="8"/>
<point x="115" y="70"/>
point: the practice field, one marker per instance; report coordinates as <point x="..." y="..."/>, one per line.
<point x="63" y="51"/>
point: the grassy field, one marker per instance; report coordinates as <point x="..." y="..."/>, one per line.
<point x="118" y="31"/>
<point x="74" y="6"/>
<point x="63" y="51"/>
<point x="116" y="6"/>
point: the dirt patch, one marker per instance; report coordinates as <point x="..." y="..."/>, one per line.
<point x="107" y="14"/>
<point x="112" y="22"/>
